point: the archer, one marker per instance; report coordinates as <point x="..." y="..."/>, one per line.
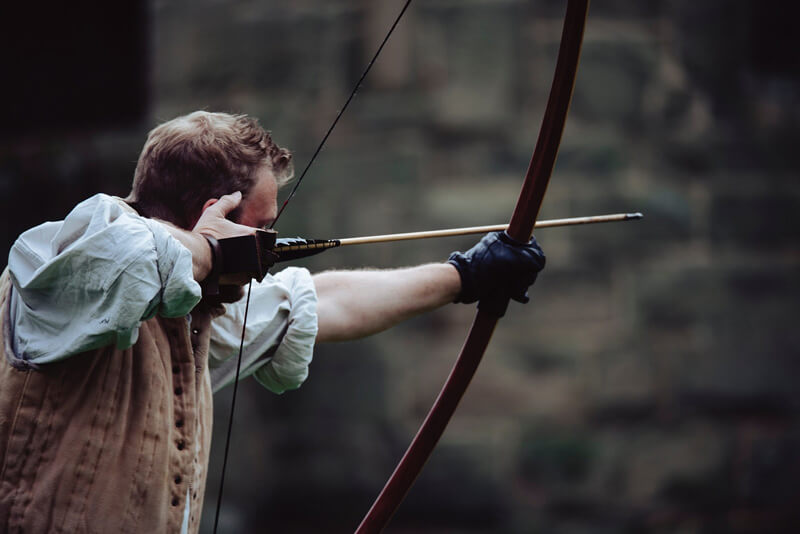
<point x="121" y="320"/>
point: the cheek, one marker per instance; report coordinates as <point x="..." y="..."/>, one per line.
<point x="273" y="209"/>
<point x="248" y="219"/>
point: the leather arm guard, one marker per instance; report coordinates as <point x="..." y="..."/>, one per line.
<point x="239" y="258"/>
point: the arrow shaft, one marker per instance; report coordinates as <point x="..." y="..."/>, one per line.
<point x="594" y="219"/>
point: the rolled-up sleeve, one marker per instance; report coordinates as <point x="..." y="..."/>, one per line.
<point x="279" y="336"/>
<point x="90" y="280"/>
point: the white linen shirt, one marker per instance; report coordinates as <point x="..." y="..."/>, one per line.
<point x="90" y="280"/>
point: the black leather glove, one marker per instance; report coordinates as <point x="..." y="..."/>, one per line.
<point x="498" y="268"/>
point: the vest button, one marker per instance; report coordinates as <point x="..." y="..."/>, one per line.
<point x="181" y="445"/>
<point x="176" y="369"/>
<point x="178" y="479"/>
<point x="175" y="501"/>
<point x="178" y="390"/>
<point x="195" y="331"/>
<point x="179" y="423"/>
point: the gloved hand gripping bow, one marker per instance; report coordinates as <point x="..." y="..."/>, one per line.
<point x="497" y="269"/>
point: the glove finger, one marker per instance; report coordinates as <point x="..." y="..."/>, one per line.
<point x="535" y="258"/>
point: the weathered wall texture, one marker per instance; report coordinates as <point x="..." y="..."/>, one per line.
<point x="651" y="384"/>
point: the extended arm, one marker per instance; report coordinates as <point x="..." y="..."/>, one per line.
<point x="355" y="304"/>
<point x="292" y="310"/>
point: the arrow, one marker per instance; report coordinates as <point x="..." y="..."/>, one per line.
<point x="292" y="249"/>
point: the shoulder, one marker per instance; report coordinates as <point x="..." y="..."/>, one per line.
<point x="92" y="229"/>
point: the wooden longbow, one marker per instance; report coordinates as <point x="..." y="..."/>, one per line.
<point x="520" y="229"/>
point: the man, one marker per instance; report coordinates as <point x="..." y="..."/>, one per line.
<point x="110" y="350"/>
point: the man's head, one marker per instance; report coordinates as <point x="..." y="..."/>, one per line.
<point x="201" y="156"/>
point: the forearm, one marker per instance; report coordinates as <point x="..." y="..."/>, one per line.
<point x="355" y="304"/>
<point x="197" y="246"/>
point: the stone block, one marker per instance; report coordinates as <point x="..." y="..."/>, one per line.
<point x="619" y="73"/>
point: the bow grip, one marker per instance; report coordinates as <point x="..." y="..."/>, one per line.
<point x="494" y="305"/>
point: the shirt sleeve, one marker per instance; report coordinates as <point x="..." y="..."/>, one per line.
<point x="90" y="280"/>
<point x="279" y="336"/>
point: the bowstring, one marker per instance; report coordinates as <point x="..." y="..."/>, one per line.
<point x="283" y="206"/>
<point x="233" y="406"/>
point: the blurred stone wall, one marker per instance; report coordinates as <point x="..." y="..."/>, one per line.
<point x="651" y="384"/>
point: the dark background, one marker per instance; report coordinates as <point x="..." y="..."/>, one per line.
<point x="650" y="386"/>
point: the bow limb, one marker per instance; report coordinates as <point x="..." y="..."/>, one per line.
<point x="520" y="228"/>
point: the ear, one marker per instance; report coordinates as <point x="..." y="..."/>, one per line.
<point x="208" y="203"/>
